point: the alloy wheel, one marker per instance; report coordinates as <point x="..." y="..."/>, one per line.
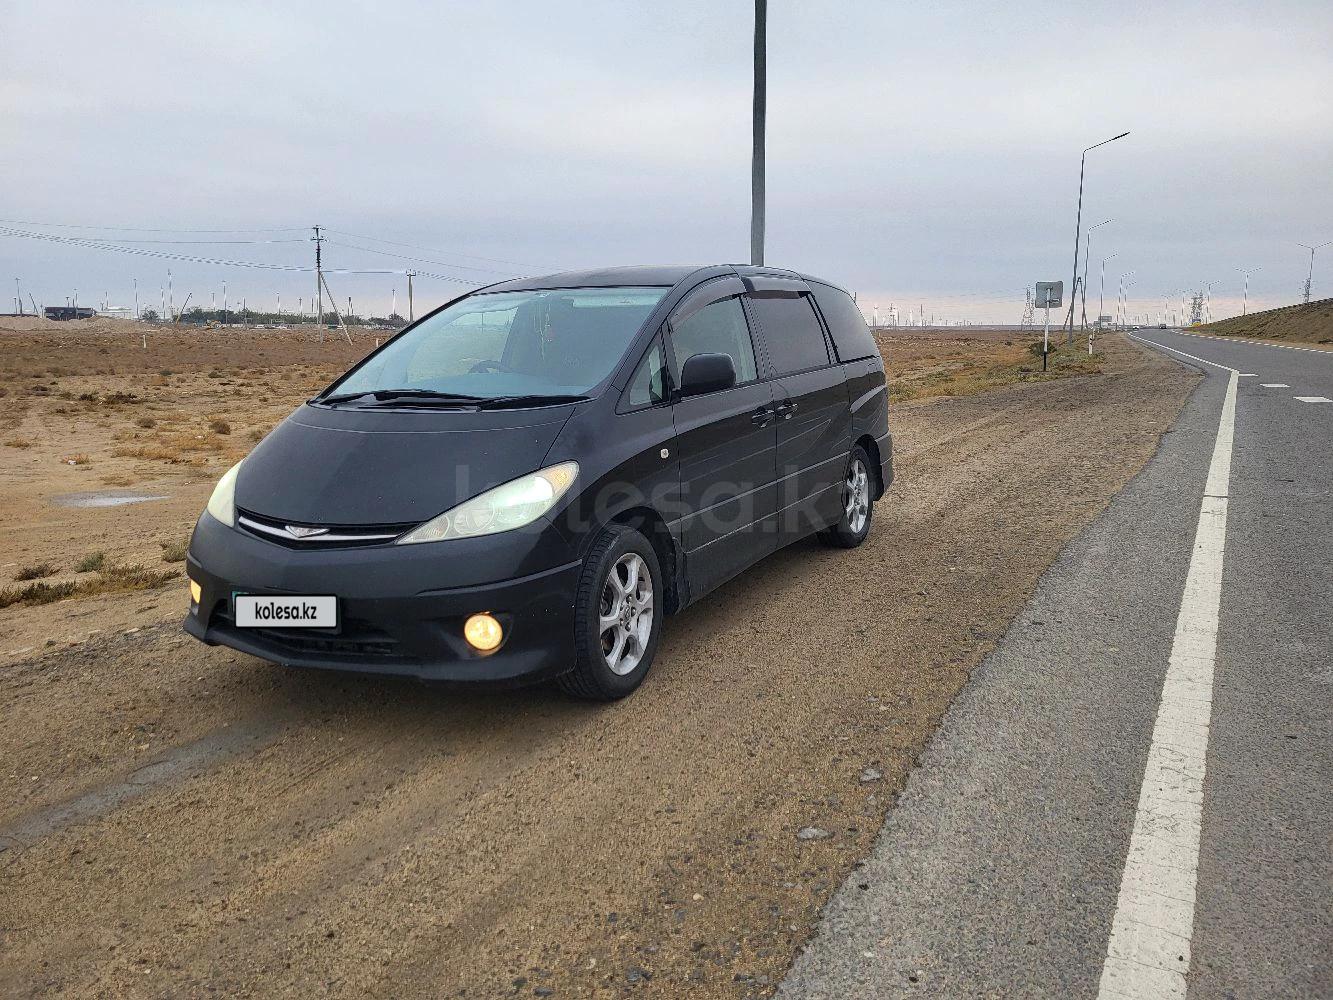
<point x="625" y="613"/>
<point x="857" y="501"/>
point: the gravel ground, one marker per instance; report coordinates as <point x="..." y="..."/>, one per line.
<point x="181" y="820"/>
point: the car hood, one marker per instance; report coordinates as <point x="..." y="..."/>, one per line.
<point x="346" y="466"/>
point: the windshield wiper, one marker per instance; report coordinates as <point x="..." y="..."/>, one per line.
<point x="535" y="399"/>
<point x="428" y="397"/>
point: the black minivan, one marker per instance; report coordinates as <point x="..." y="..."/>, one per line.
<point x="521" y="484"/>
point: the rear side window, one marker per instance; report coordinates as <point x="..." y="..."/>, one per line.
<point x="719" y="328"/>
<point x="791" y="332"/>
<point x="851" y="336"/>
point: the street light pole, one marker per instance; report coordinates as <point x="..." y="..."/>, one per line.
<point x="1101" y="295"/>
<point x="1087" y="247"/>
<point x="1245" y="295"/>
<point x="1078" y="227"/>
<point x="1309" y="277"/>
<point x="759" y="113"/>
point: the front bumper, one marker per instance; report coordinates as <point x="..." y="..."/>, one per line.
<point x="388" y="624"/>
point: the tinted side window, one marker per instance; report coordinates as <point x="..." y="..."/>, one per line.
<point x="648" y="384"/>
<point x="719" y="328"/>
<point x="851" y="336"/>
<point x="791" y="332"/>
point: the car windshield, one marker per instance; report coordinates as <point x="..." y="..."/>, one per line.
<point x="551" y="343"/>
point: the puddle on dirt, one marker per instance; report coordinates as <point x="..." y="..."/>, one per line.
<point x="104" y="498"/>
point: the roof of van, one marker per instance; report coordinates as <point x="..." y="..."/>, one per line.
<point x="639" y="274"/>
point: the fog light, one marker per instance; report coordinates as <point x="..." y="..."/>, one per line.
<point x="483" y="632"/>
<point x="196" y="592"/>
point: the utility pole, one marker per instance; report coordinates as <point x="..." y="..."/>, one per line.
<point x="136" y="298"/>
<point x="224" y="303"/>
<point x="410" y="314"/>
<point x="319" y="282"/>
<point x="171" y="298"/>
<point x="18" y="297"/>
<point x="760" y="110"/>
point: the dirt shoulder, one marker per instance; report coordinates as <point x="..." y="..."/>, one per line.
<point x="184" y="820"/>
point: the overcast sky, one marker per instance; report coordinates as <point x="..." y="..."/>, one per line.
<point x="918" y="153"/>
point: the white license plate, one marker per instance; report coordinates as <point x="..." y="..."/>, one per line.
<point x="286" y="611"/>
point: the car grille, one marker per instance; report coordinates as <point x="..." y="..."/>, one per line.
<point x="357" y="641"/>
<point x="297" y="535"/>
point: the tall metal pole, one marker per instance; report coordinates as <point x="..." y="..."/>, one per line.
<point x="410" y="314"/>
<point x="319" y="283"/>
<point x="136" y="298"/>
<point x="1087" y="249"/>
<point x="1245" y="293"/>
<point x="1309" y="277"/>
<point x="760" y="112"/>
<point x="1078" y="228"/>
<point x="1101" y="296"/>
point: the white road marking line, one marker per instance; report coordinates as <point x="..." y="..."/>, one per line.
<point x="1192" y="357"/>
<point x="1314" y="399"/>
<point x="1257" y="343"/>
<point x="1275" y="385"/>
<point x="1148" y="954"/>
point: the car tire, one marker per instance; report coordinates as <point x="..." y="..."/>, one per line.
<point x="858" y="508"/>
<point x="618" y="612"/>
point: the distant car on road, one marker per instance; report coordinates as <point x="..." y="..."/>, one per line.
<point x="1161" y="326"/>
<point x="521" y="484"/>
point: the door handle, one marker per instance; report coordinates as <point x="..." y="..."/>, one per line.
<point x="785" y="410"/>
<point x="761" y="416"/>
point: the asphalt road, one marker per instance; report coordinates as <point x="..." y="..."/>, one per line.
<point x="999" y="873"/>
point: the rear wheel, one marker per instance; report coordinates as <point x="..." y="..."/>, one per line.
<point x="858" y="508"/>
<point x="617" y="616"/>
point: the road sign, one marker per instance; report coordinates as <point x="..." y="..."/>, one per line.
<point x="1049" y="294"/>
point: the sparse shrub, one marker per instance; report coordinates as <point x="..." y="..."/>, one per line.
<point x="174" y="552"/>
<point x="36" y="593"/>
<point x="87" y="397"/>
<point x="219" y="426"/>
<point x="79" y="459"/>
<point x="35" y="571"/>
<point x="91" y="563"/>
<point x="18" y="443"/>
<point x="119" y="398"/>
<point x="215" y="374"/>
<point x="256" y="435"/>
<point x="146" y="422"/>
<point x="165" y="372"/>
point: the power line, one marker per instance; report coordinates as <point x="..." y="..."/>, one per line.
<point x="420" y="260"/>
<point x="90" y="244"/>
<point x="145" y="229"/>
<point x="455" y="253"/>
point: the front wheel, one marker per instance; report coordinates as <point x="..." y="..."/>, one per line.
<point x="858" y="508"/>
<point x="617" y="616"/>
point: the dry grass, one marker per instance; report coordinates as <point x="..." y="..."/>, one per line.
<point x="110" y="580"/>
<point x="18" y="443"/>
<point x="36" y="572"/>
<point x="1307" y="324"/>
<point x="930" y="367"/>
<point x="174" y="552"/>
<point x="91" y="563"/>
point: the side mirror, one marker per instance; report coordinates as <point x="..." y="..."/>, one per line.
<point x="707" y="373"/>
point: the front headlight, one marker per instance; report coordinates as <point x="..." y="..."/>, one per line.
<point x="504" y="508"/>
<point x="222" y="504"/>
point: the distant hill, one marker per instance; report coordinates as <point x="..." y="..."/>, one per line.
<point x="1312" y="324"/>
